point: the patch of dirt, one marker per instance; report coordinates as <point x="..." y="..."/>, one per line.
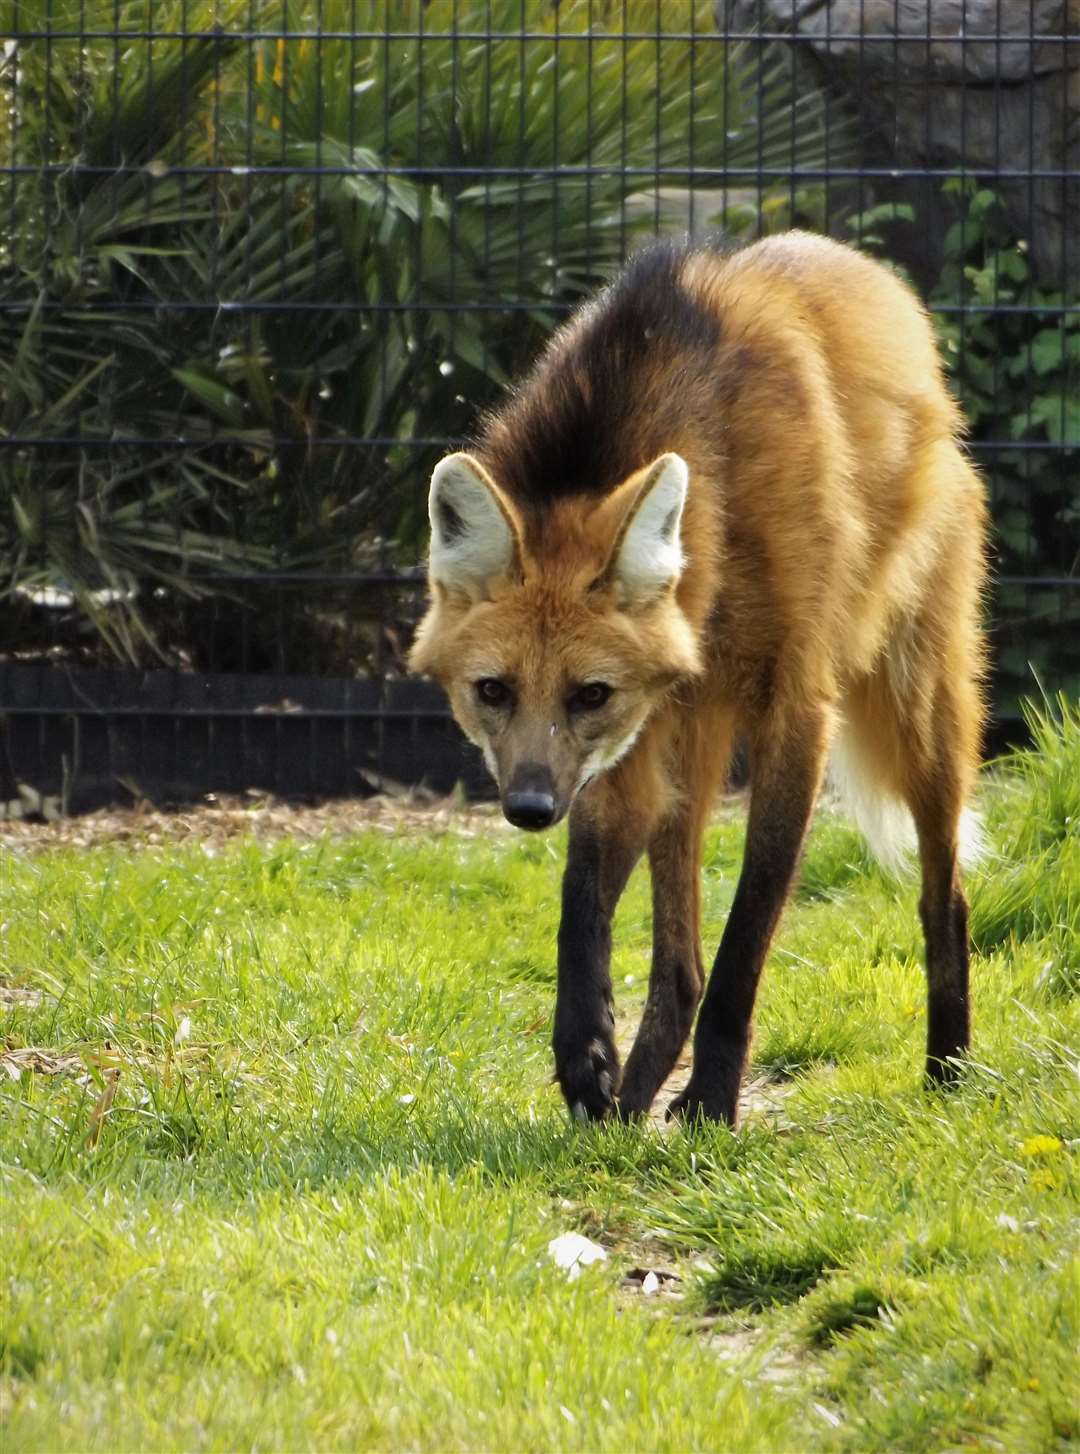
<point x="658" y="1283"/>
<point x="41" y="1060"/>
<point x="14" y="995"/>
<point x="224" y="818"/>
<point x="780" y="1361"/>
<point x="762" y="1098"/>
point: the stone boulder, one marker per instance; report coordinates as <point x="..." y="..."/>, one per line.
<point x="990" y="85"/>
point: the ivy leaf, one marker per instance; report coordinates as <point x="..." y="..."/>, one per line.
<point x="1060" y="416"/>
<point x="959" y="239"/>
<point x="1051" y="348"/>
<point x="986" y="284"/>
<point x="872" y="217"/>
<point x="1012" y="263"/>
<point x="982" y="202"/>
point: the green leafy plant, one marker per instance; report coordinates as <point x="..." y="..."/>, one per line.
<point x="1012" y="348"/>
<point x="1017" y="372"/>
<point x="77" y="243"/>
<point x="257" y="251"/>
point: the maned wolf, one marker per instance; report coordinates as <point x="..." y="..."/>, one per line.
<point x="728" y="500"/>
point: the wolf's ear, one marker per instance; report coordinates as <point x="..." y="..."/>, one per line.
<point x="648" y="556"/>
<point x="473" y="533"/>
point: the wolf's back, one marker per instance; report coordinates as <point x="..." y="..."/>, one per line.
<point x="637" y="368"/>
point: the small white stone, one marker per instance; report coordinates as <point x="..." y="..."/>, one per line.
<point x="30" y="796"/>
<point x="572" y="1252"/>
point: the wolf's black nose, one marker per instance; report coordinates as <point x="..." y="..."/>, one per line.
<point x="530" y="809"/>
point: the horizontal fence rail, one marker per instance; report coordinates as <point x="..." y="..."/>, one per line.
<point x="260" y="265"/>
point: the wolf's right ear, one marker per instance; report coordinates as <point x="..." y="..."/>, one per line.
<point x="474" y="536"/>
<point x="648" y="557"/>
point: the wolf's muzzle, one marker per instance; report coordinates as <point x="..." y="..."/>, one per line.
<point x="529" y="800"/>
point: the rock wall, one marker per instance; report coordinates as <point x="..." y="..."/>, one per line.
<point x="993" y="85"/>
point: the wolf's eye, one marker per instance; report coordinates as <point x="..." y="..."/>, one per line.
<point x="590" y="696"/>
<point x="492" y="692"/>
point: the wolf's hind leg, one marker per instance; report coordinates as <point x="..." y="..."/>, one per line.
<point x="940" y="765"/>
<point x="922" y="750"/>
<point x="944" y="914"/>
<point x="917" y="724"/>
<point x="938" y="784"/>
<point x="701" y="755"/>
<point x="941" y="718"/>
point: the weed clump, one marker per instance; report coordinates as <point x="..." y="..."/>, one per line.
<point x="1033" y="887"/>
<point x="837" y="1308"/>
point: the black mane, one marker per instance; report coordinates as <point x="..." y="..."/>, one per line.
<point x="610" y="389"/>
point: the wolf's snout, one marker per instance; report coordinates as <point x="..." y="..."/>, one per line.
<point x="530" y="810"/>
<point x="529" y="800"/>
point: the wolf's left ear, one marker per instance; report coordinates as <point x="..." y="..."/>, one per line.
<point x="648" y="554"/>
<point x="473" y="533"/>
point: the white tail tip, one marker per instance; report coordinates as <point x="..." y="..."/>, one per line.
<point x="883" y="820"/>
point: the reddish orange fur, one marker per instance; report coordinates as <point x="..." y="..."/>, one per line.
<point x="834" y="539"/>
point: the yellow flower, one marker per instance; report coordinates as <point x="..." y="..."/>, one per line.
<point x="1041" y="1146"/>
<point x="1042" y="1179"/>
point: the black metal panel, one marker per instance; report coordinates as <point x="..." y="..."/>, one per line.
<point x="91" y="737"/>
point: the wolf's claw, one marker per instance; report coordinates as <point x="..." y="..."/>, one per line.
<point x="588" y="1078"/>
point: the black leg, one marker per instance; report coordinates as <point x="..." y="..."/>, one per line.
<point x="943" y="911"/>
<point x="787" y="771"/>
<point x="936" y="795"/>
<point x="677" y="974"/>
<point x="598" y="865"/>
<point x="948" y="1012"/>
<point x="700" y="755"/>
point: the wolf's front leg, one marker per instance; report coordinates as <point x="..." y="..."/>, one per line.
<point x="786" y="771"/>
<point x="598" y="864"/>
<point x="699" y="756"/>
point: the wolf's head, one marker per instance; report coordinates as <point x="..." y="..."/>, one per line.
<point x="554" y="632"/>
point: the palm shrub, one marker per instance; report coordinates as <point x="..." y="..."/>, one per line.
<point x="368" y="232"/>
<point x="87" y="227"/>
<point x="1033" y="889"/>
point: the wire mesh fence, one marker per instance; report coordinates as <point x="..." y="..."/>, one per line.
<point x="264" y="260"/>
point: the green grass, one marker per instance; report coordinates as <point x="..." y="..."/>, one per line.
<point x="317" y="1212"/>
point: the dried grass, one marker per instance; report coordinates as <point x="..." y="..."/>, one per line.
<point x="222" y="818"/>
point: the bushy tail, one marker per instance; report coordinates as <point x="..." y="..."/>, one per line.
<point x="882" y="818"/>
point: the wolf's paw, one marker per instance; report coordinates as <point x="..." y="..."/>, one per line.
<point x="630" y="1111"/>
<point x="589" y="1078"/>
<point x="704" y="1103"/>
<point x="636" y="1095"/>
<point x="943" y="1072"/>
